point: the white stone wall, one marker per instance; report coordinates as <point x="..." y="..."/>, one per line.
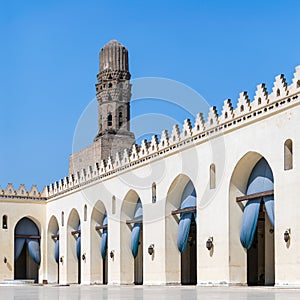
<point x="16" y="209"/>
<point x="233" y="142"/>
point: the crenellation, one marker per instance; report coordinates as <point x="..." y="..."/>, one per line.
<point x="10" y="191"/>
<point x="125" y="159"/>
<point x="187" y="131"/>
<point x="227" y="112"/>
<point x="109" y="164"/>
<point x="89" y="173"/>
<point x="45" y="192"/>
<point x="71" y="180"/>
<point x="243" y="105"/>
<point x="102" y="168"/>
<point x="175" y="135"/>
<point x="164" y="140"/>
<point x="295" y="86"/>
<point x="82" y="175"/>
<point x="55" y="187"/>
<point x="50" y="189"/>
<point x="143" y="149"/>
<point x="261" y="97"/>
<point x="22" y="191"/>
<point x="213" y="118"/>
<point x="76" y="178"/>
<point x="60" y="185"/>
<point x="153" y="144"/>
<point x="117" y="162"/>
<point x="134" y="156"/>
<point x="66" y="182"/>
<point x="199" y="124"/>
<point x="95" y="170"/>
<point x="34" y="191"/>
<point x="279" y="89"/>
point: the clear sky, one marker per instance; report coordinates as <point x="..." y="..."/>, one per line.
<point x="49" y="61"/>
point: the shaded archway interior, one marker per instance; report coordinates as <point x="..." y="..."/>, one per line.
<point x="27" y="255"/>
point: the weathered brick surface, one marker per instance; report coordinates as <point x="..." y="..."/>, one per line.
<point x="107" y="145"/>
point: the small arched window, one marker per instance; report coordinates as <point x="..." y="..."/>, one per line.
<point x="242" y="108"/>
<point x="298" y="84"/>
<point x="4" y="222"/>
<point x="288" y="155"/>
<point x="85" y="213"/>
<point x="62" y="218"/>
<point x="120" y="119"/>
<point x="278" y="92"/>
<point x="259" y="101"/>
<point x="113" y="205"/>
<point x="212" y="176"/>
<point x="153" y="192"/>
<point x="109" y="120"/>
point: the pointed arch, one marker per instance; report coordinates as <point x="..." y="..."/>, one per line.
<point x="27" y="250"/>
<point x="180" y="227"/>
<point x="53" y="250"/>
<point x="73" y="247"/>
<point x="99" y="241"/>
<point x="248" y="178"/>
<point x="131" y="232"/>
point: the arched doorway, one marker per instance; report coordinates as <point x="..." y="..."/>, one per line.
<point x="181" y="232"/>
<point x="53" y="251"/>
<point x="252" y="210"/>
<point x="74" y="248"/>
<point x="132" y="239"/>
<point x="27" y="250"/>
<point x="99" y="240"/>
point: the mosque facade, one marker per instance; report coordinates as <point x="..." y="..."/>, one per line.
<point x="211" y="203"/>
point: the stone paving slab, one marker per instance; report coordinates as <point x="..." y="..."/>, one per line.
<point x="76" y="292"/>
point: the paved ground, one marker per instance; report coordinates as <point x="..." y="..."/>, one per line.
<point x="146" y="293"/>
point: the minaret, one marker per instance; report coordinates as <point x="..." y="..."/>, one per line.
<point x="113" y="92"/>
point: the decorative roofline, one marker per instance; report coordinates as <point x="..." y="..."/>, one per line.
<point x="262" y="106"/>
<point x="22" y="193"/>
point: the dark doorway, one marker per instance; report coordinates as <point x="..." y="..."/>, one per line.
<point x="189" y="258"/>
<point x="260" y="257"/>
<point x="105" y="267"/>
<point x="79" y="270"/>
<point x="27" y="255"/>
<point x="138" y="262"/>
<point x="25" y="267"/>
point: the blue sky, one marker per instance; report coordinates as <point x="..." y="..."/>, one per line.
<point x="49" y="61"/>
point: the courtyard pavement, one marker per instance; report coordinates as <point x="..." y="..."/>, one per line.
<point x="76" y="292"/>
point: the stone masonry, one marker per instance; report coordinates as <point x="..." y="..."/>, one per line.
<point x="113" y="92"/>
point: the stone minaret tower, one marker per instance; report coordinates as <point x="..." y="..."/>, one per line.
<point x="113" y="92"/>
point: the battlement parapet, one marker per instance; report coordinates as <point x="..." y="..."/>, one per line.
<point x="23" y="193"/>
<point x="263" y="105"/>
